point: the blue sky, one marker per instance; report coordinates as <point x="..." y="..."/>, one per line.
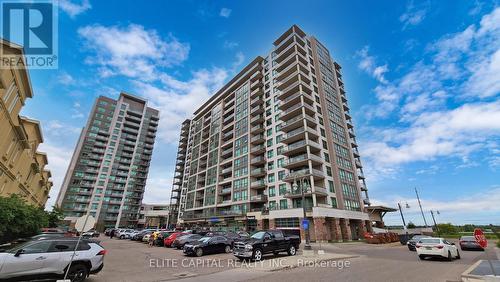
<point x="422" y="78"/>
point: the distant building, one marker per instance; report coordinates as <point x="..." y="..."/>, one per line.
<point x="152" y="215"/>
<point x="108" y="171"/>
<point x="22" y="166"/>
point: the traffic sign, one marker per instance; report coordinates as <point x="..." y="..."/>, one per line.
<point x="305" y="224"/>
<point x="84" y="223"/>
<point x="480" y="238"/>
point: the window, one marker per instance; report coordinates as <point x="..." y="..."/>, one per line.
<point x="282" y="189"/>
<point x="270" y="165"/>
<point x="270" y="154"/>
<point x="269" y="132"/>
<point x="331" y="187"/>
<point x="281" y="162"/>
<point x="281" y="175"/>
<point x="270" y="178"/>
<point x="272" y="191"/>
<point x="283" y="205"/>
<point x="329" y="171"/>
<point x="287" y="222"/>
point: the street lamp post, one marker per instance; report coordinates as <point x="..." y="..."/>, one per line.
<point x="434" y="219"/>
<point x="300" y="186"/>
<point x="403" y="218"/>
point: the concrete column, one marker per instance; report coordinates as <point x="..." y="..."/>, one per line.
<point x="345" y="228"/>
<point x="335" y="227"/>
<point x="260" y="224"/>
<point x="369" y="227"/>
<point x="362" y="229"/>
<point x="320" y="230"/>
<point x="272" y="224"/>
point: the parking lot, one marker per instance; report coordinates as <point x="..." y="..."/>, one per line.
<point x="134" y="261"/>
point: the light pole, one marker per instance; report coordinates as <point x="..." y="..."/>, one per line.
<point x="300" y="186"/>
<point x="433" y="219"/>
<point x="403" y="218"/>
<point x="420" y="205"/>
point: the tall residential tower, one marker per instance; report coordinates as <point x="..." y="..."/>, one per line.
<point x="279" y="127"/>
<point x="107" y="174"/>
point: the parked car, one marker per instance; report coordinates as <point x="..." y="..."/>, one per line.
<point x="146" y="237"/>
<point x="48" y="259"/>
<point x="124" y="233"/>
<point x="140" y="235"/>
<point x="414" y="240"/>
<point x="170" y="239"/>
<point x="186" y="239"/>
<point x="91" y="233"/>
<point x="208" y="245"/>
<point x="107" y="231"/>
<point x="160" y="239"/>
<point x="469" y="243"/>
<point x="265" y="242"/>
<point x="437" y="247"/>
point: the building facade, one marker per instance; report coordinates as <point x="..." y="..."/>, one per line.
<point x="153" y="215"/>
<point x="22" y="166"/>
<point x="279" y="128"/>
<point x="108" y="171"/>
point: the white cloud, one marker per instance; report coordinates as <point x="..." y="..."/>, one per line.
<point x="230" y="44"/>
<point x="74" y="9"/>
<point x="158" y="189"/>
<point x="178" y="99"/>
<point x="65" y="79"/>
<point x="59" y="158"/>
<point x="458" y="210"/>
<point x="225" y="12"/>
<point x="413" y="15"/>
<point x="132" y="51"/>
<point x="368" y="64"/>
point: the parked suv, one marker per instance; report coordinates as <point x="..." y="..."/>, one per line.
<point x="49" y="259"/>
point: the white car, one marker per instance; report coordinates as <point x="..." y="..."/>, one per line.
<point x="125" y="233"/>
<point x="436" y="247"/>
<point x="49" y="259"/>
<point x="146" y="238"/>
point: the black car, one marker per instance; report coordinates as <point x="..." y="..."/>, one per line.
<point x="140" y="235"/>
<point x="265" y="242"/>
<point x="414" y="240"/>
<point x="186" y="239"/>
<point x="469" y="243"/>
<point x="208" y="245"/>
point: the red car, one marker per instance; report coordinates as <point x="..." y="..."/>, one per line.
<point x="167" y="242"/>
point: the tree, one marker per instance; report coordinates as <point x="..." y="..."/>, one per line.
<point x="19" y="219"/>
<point x="411" y="225"/>
<point x="55" y="217"/>
<point x="447" y="228"/>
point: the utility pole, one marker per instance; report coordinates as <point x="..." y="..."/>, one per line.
<point x="435" y="224"/>
<point x="420" y="205"/>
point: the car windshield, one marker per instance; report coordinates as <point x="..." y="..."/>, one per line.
<point x="204" y="239"/>
<point x="418" y="237"/>
<point x="430" y="241"/>
<point x="18" y="247"/>
<point x="468" y="238"/>
<point x="259" y="235"/>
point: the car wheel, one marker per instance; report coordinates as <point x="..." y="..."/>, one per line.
<point x="458" y="255"/>
<point x="227" y="249"/>
<point x="257" y="255"/>
<point x="78" y="272"/>
<point x="121" y="237"/>
<point x="449" y="256"/>
<point x="292" y="250"/>
<point x="199" y="252"/>
<point x="422" y="257"/>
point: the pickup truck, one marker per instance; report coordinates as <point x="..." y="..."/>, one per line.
<point x="266" y="242"/>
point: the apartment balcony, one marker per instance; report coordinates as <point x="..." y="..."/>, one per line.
<point x="349" y="123"/>
<point x="355" y="152"/>
<point x="257" y="110"/>
<point x="345" y="107"/>
<point x="256" y="84"/>
<point x="256" y="92"/>
<point x="296" y="76"/>
<point x="258" y="172"/>
<point x="256" y="101"/>
<point x="315" y="173"/>
<point x="366" y="202"/>
<point x="259" y="184"/>
<point x="299" y="134"/>
<point x="315" y="190"/>
<point x="228" y="127"/>
<point x="258" y="198"/>
<point x="301" y="146"/>
<point x="294" y="99"/>
<point x="303" y="160"/>
<point x="258" y="160"/>
<point x="353" y="143"/>
<point x="358" y="163"/>
<point x="257" y="119"/>
<point x="259" y="149"/>
<point x="228" y="119"/>
<point x="257" y="139"/>
<point x="226" y="153"/>
<point x="222" y="202"/>
<point x="298" y="121"/>
<point x="176" y="188"/>
<point x="361" y="175"/>
<point x="226" y="171"/>
<point x="297" y="109"/>
<point x="351" y="133"/>
<point x="227" y="136"/>
<point x="362" y="186"/>
<point x="257" y="129"/>
<point x="225" y="180"/>
<point x="256" y="75"/>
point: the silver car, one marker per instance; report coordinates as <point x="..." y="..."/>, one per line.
<point x="49" y="259"/>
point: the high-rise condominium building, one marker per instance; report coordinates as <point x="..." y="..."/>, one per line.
<point x="279" y="128"/>
<point x="108" y="170"/>
<point x="22" y="166"/>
